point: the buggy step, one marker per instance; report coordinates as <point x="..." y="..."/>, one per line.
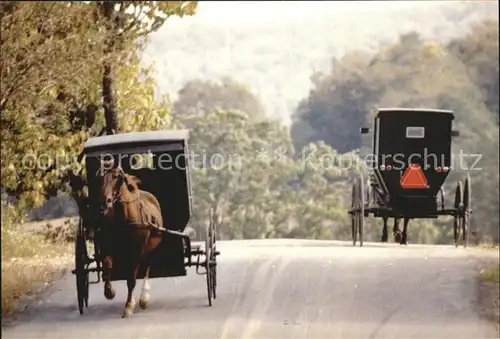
<point x="88" y="270"/>
<point x="198" y="250"/>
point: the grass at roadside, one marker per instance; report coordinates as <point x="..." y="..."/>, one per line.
<point x="29" y="263"/>
<point x="491" y="274"/>
<point x="488" y="289"/>
<point x="487" y="246"/>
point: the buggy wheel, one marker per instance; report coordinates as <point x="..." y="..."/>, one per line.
<point x="361" y="209"/>
<point x="456" y="218"/>
<point x="81" y="260"/>
<point x="213" y="256"/>
<point x="207" y="258"/>
<point x="354" y="228"/>
<point x="210" y="258"/>
<point x="467" y="211"/>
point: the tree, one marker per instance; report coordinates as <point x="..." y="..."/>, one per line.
<point x="50" y="53"/>
<point x="198" y="97"/>
<point x="336" y="107"/>
<point x="479" y="53"/>
<point x="44" y="46"/>
<point x="125" y="21"/>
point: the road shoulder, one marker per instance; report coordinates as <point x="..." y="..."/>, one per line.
<point x="488" y="289"/>
<point x="32" y="260"/>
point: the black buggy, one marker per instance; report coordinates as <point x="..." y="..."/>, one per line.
<point x="160" y="160"/>
<point x="411" y="160"/>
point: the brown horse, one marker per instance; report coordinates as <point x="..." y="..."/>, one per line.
<point x="132" y="228"/>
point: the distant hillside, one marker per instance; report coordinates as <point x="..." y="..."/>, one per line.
<point x="278" y="60"/>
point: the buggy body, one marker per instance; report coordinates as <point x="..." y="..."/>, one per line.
<point x="402" y="137"/>
<point x="410" y="162"/>
<point x="160" y="160"/>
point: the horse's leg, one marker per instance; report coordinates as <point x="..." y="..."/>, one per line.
<point x="404" y="238"/>
<point x="97" y="249"/>
<point x="153" y="242"/>
<point x="384" y="231"/>
<point x="131" y="282"/>
<point x="97" y="255"/>
<point x="396" y="231"/>
<point x="144" y="299"/>
<point x="109" y="291"/>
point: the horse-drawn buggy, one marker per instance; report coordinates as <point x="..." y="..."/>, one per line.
<point x="138" y="232"/>
<point x="411" y="160"/>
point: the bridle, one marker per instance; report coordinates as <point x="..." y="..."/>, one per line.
<point x="116" y="191"/>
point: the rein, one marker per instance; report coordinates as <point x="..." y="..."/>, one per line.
<point x="130" y="222"/>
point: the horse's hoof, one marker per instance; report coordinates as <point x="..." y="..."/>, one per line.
<point x="143" y="301"/>
<point x="143" y="304"/>
<point x="129" y="309"/>
<point x="397" y="237"/>
<point x="109" y="293"/>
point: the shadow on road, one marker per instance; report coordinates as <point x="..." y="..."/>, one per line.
<point x="105" y="311"/>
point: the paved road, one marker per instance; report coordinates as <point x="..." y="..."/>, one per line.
<point x="286" y="289"/>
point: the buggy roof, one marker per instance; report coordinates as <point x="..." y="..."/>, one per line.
<point x="135" y="140"/>
<point x="403" y="110"/>
<point x="170" y="185"/>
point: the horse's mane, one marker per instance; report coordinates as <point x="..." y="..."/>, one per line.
<point x="133" y="182"/>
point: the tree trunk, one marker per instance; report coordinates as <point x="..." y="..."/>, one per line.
<point x="108" y="76"/>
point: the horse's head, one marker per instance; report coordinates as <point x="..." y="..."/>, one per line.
<point x="115" y="184"/>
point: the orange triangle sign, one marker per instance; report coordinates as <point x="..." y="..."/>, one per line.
<point x="413" y="177"/>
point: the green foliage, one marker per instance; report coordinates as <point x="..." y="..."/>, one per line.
<point x="347" y="92"/>
<point x="139" y="108"/>
<point x="46" y="49"/>
<point x="139" y="18"/>
<point x="479" y="53"/>
<point x="197" y="98"/>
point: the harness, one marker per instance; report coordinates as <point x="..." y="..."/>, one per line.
<point x="147" y="220"/>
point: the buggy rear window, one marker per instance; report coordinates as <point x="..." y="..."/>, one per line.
<point x="413" y="132"/>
